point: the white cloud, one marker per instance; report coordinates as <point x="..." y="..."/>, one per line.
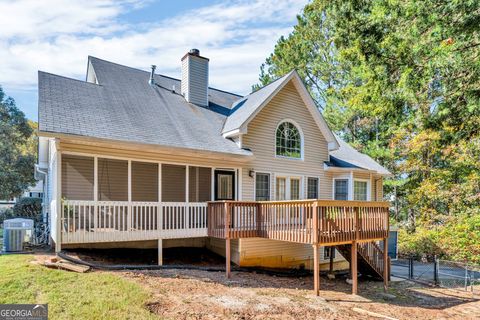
<point x="57" y="35"/>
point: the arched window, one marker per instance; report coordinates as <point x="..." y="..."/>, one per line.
<point x="288" y="141"/>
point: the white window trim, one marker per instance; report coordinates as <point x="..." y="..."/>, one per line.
<point x="347" y="177"/>
<point x="287" y="178"/>
<point x="369" y="191"/>
<point x="302" y="141"/>
<point x="255" y="184"/>
<point x="306" y="185"/>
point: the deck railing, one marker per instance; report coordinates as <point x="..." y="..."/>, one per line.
<point x="103" y="221"/>
<point x="306" y="221"/>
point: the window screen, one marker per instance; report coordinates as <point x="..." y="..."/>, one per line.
<point x="77" y="177"/>
<point x="262" y="187"/>
<point x="112" y="180"/>
<point x="173" y="183"/>
<point x="341" y="189"/>
<point x="200" y="184"/>
<point x="312" y="188"/>
<point x="144" y="181"/>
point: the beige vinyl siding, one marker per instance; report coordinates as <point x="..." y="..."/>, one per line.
<point x="379" y="189"/>
<point x="173" y="183"/>
<point x="276" y="254"/>
<point x="144" y="181"/>
<point x="287" y="104"/>
<point x="218" y="246"/>
<point x="112" y="180"/>
<point x="200" y="189"/>
<point x="77" y="177"/>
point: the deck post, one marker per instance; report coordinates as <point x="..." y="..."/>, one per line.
<point x="316" y="270"/>
<point x="385" y="264"/>
<point x="227" y="257"/>
<point x="353" y="264"/>
<point x="227" y="239"/>
<point x="160" y="252"/>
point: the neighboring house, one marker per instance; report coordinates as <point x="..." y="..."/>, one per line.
<point x="35" y="191"/>
<point x="131" y="158"/>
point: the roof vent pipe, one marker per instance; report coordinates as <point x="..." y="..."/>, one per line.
<point x="151" y="81"/>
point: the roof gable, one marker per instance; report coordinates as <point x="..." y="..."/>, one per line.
<point x="245" y="109"/>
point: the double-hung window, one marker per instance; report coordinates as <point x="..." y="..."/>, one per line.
<point x="312" y="188"/>
<point x="262" y="187"/>
<point x="360" y="190"/>
<point x="341" y="189"/>
<point x="294" y="189"/>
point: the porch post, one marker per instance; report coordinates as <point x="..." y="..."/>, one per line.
<point x="95" y="194"/>
<point x="129" y="196"/>
<point x="58" y="236"/>
<point x="160" y="252"/>
<point x="353" y="263"/>
<point x="187" y="196"/>
<point x="385" y="264"/>
<point x="316" y="270"/>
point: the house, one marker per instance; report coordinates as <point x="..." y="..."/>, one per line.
<point x="136" y="159"/>
<point x="35" y="191"/>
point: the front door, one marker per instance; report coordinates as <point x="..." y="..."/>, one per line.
<point x="224" y="185"/>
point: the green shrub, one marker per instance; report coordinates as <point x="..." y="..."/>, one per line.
<point x="30" y="208"/>
<point x="6" y="213"/>
<point x="458" y="239"/>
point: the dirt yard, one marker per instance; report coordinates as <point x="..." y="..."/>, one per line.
<point x="182" y="294"/>
<point x="196" y="294"/>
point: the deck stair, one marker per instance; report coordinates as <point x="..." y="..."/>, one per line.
<point x="369" y="257"/>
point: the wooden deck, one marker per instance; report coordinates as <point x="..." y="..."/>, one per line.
<point x="324" y="222"/>
<point x="355" y="225"/>
<point x="352" y="226"/>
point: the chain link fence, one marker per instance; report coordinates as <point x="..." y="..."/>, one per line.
<point x="446" y="274"/>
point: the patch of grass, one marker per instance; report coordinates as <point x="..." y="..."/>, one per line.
<point x="94" y="295"/>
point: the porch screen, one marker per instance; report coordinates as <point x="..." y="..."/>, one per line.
<point x="144" y="181"/>
<point x="77" y="177"/>
<point x="173" y="183"/>
<point x="200" y="184"/>
<point x="112" y="180"/>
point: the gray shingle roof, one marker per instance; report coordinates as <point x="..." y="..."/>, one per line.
<point x="243" y="108"/>
<point x="125" y="107"/>
<point x="348" y="157"/>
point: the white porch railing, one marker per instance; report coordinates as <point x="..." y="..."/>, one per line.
<point x="107" y="221"/>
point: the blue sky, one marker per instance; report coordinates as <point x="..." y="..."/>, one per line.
<point x="57" y="36"/>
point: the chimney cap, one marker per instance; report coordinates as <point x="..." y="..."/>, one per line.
<point x="195" y="53"/>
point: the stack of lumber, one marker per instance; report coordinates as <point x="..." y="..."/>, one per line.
<point x="58" y="263"/>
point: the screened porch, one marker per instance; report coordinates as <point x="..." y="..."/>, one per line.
<point x="111" y="199"/>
